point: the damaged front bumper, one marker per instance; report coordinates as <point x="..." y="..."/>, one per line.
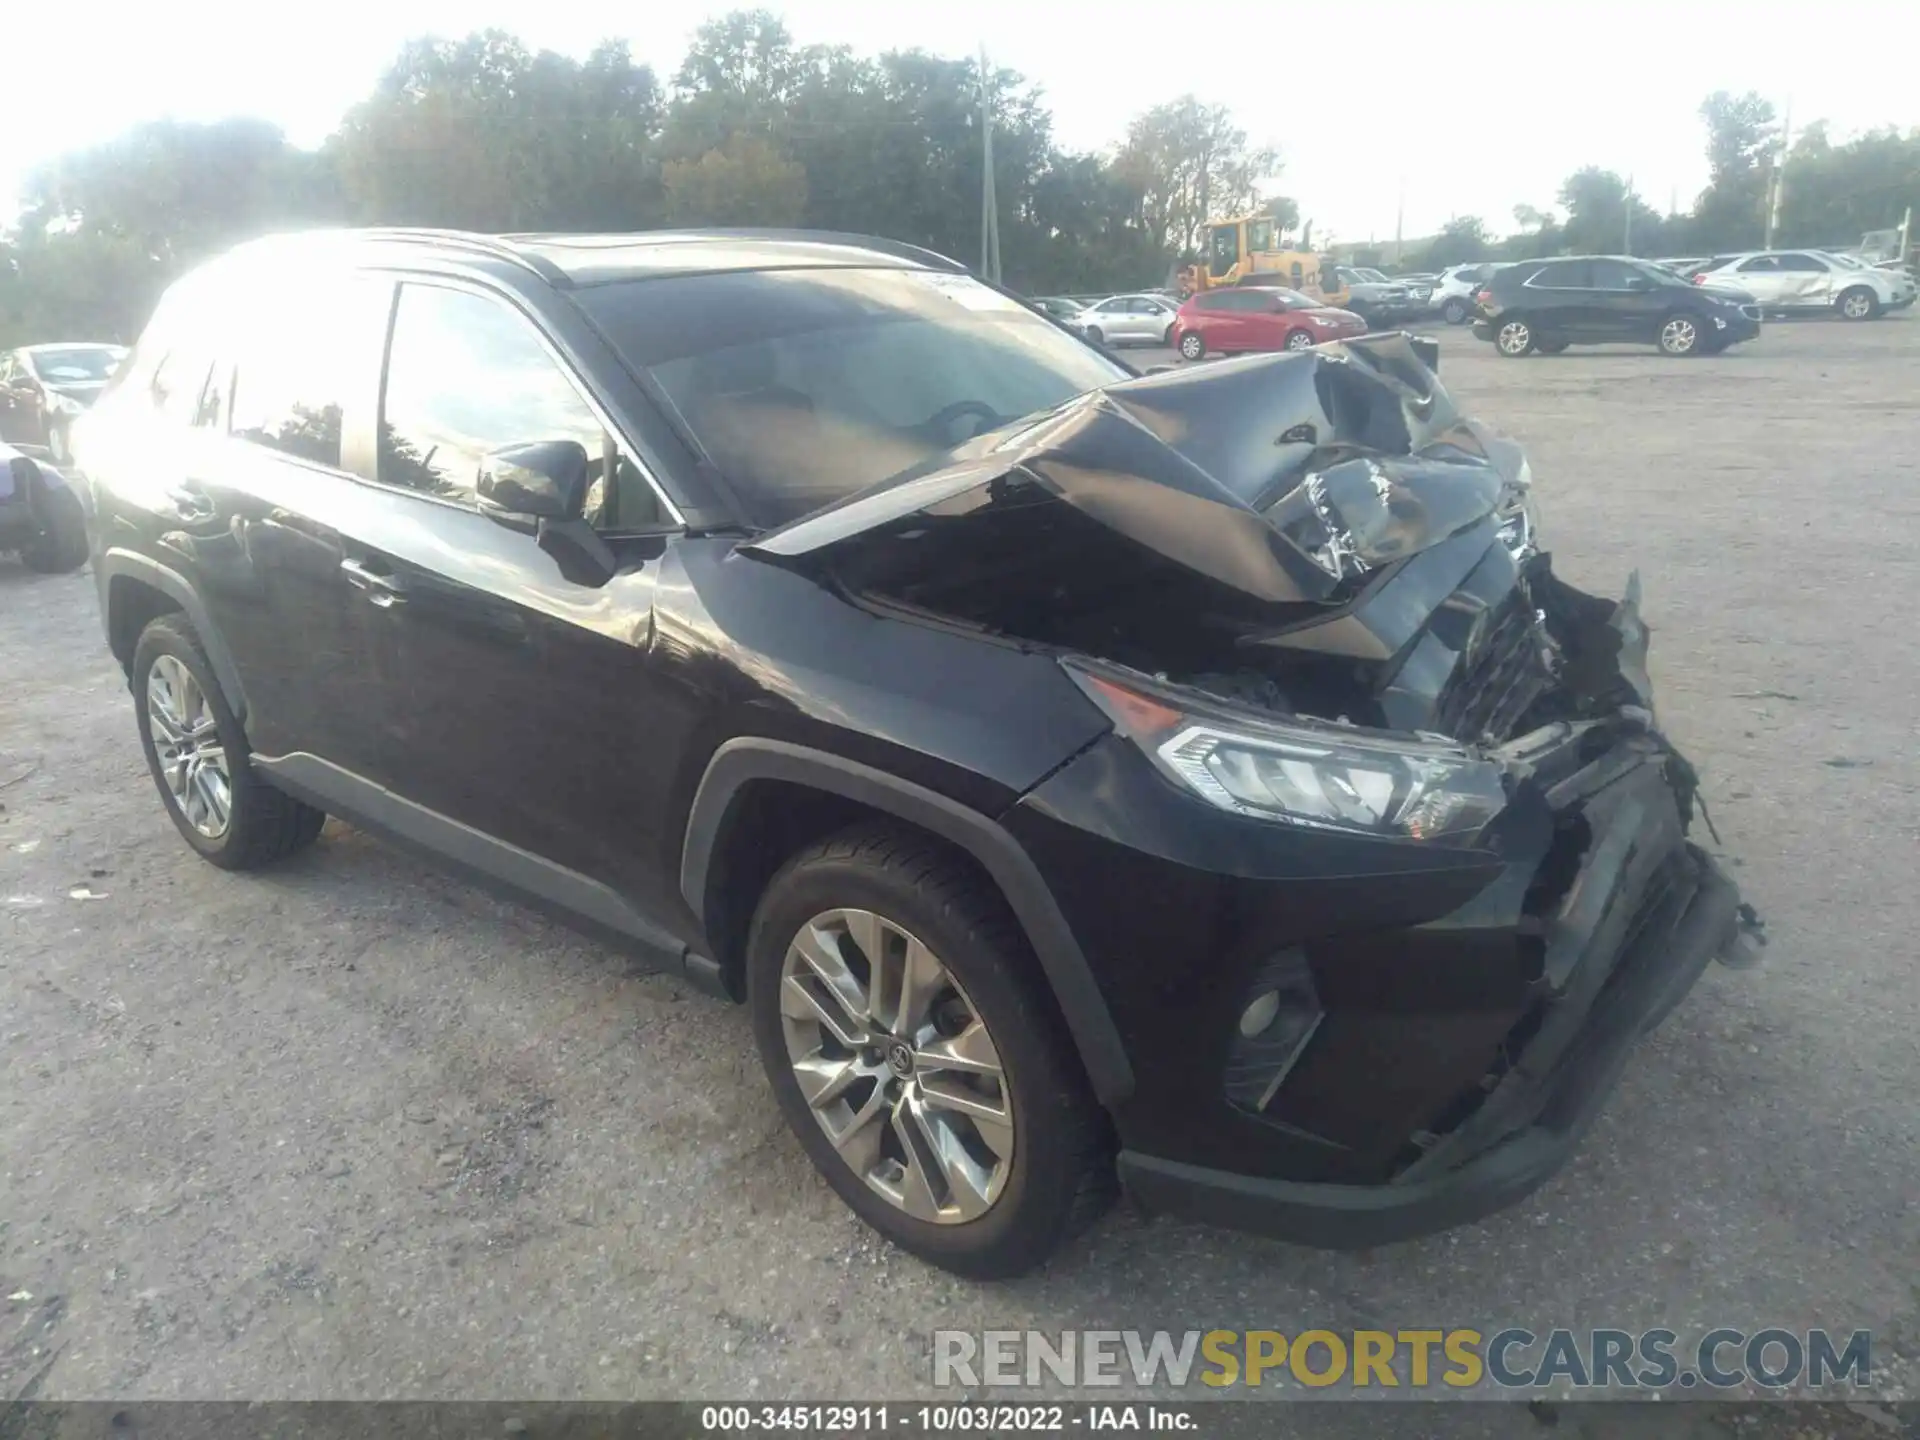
<point x="1643" y="916"/>
<point x="1459" y="1015"/>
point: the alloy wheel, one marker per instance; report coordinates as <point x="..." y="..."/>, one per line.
<point x="897" y="1067"/>
<point x="1679" y="335"/>
<point x="1515" y="338"/>
<point x="186" y="740"/>
<point x="1856" y="306"/>
<point x="1191" y="346"/>
<point x="1299" y="340"/>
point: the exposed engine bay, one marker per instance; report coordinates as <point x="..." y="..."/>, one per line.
<point x="1319" y="534"/>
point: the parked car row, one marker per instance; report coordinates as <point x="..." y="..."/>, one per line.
<point x="43" y="388"/>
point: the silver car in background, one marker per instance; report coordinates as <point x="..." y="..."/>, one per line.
<point x="1790" y="280"/>
<point x="1453" y="292"/>
<point x="1128" y="320"/>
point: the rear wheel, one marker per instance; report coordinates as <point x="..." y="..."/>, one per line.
<point x="1192" y="346"/>
<point x="1513" y="338"/>
<point x="1681" y="335"/>
<point x="917" y="1058"/>
<point x="1859" y="303"/>
<point x="1454" y="312"/>
<point x="1299" y="340"/>
<point x="199" y="758"/>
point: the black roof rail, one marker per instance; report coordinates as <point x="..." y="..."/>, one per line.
<point x="494" y="246"/>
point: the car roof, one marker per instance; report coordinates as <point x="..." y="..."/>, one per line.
<point x="573" y="261"/>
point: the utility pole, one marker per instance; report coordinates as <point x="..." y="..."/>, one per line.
<point x="1400" y="224"/>
<point x="989" y="211"/>
<point x="1779" y="175"/>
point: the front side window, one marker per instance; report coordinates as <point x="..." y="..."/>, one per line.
<point x="299" y="351"/>
<point x="468" y="375"/>
<point x="803" y="387"/>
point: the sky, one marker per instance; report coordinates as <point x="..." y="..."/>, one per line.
<point x="1469" y="107"/>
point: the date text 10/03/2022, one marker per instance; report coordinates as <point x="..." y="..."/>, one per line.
<point x="945" y="1419"/>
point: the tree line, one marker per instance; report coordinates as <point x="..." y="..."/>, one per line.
<point x="752" y="129"/>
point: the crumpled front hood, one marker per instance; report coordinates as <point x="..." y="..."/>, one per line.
<point x="1281" y="479"/>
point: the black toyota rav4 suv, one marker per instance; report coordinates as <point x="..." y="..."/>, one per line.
<point x="1198" y="779"/>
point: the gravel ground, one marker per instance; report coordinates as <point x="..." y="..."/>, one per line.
<point x="351" y="1129"/>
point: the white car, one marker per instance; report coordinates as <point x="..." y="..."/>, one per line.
<point x="1813" y="280"/>
<point x="1128" y="320"/>
<point x="1452" y="294"/>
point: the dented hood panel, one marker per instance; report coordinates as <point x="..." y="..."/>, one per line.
<point x="1281" y="479"/>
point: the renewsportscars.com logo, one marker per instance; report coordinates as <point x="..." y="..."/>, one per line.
<point x="1510" y="1359"/>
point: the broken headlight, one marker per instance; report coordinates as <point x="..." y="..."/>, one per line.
<point x="1519" y="515"/>
<point x="1301" y="771"/>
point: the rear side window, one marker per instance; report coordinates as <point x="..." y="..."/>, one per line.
<point x="298" y="353"/>
<point x="1562" y="275"/>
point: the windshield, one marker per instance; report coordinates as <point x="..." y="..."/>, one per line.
<point x="803" y="387"/>
<point x="76" y="364"/>
<point x="1375" y="276"/>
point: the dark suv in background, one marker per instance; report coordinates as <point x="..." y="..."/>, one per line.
<point x="1202" y="771"/>
<point x="1547" y="305"/>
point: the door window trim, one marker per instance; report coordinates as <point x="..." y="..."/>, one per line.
<point x="676" y="518"/>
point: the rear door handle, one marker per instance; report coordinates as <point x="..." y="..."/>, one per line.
<point x="382" y="590"/>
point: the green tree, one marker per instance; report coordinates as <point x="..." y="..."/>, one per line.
<point x="1460" y="240"/>
<point x="742" y="181"/>
<point x="1741" y="136"/>
<point x="1189" y="163"/>
<point x="1596" y="202"/>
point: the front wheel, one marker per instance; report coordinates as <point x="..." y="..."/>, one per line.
<point x="1859" y="303"/>
<point x="1096" y="335"/>
<point x="1513" y="339"/>
<point x="1192" y="346"/>
<point x="199" y="758"/>
<point x="1454" y="312"/>
<point x="1299" y="340"/>
<point x="918" y="1059"/>
<point x="1680" y="335"/>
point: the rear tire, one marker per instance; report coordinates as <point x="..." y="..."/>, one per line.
<point x="197" y="753"/>
<point x="61" y="544"/>
<point x="1454" y="312"/>
<point x="1050" y="1158"/>
<point x="1192" y="345"/>
<point x="1857" y="303"/>
<point x="1513" y="338"/>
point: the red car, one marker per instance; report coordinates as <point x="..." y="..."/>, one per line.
<point x="1262" y="318"/>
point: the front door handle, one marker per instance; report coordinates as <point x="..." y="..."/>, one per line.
<point x="191" y="501"/>
<point x="381" y="590"/>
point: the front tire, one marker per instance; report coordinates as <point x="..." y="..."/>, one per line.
<point x="1096" y="335"/>
<point x="918" y="1059"/>
<point x="60" y="544"/>
<point x="1299" y="340"/>
<point x="1454" y="312"/>
<point x="1514" y="338"/>
<point x="1192" y="345"/>
<point x="1680" y="335"/>
<point x="199" y="759"/>
<point x="1858" y="303"/>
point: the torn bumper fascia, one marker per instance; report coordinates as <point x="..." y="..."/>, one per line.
<point x="1638" y="923"/>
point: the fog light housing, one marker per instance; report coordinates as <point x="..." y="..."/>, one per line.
<point x="1277" y="1021"/>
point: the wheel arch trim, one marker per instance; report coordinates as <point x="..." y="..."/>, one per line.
<point x="748" y="758"/>
<point x="117" y="563"/>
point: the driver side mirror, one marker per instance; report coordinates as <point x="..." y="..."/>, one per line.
<point x="540" y="489"/>
<point x="546" y="480"/>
